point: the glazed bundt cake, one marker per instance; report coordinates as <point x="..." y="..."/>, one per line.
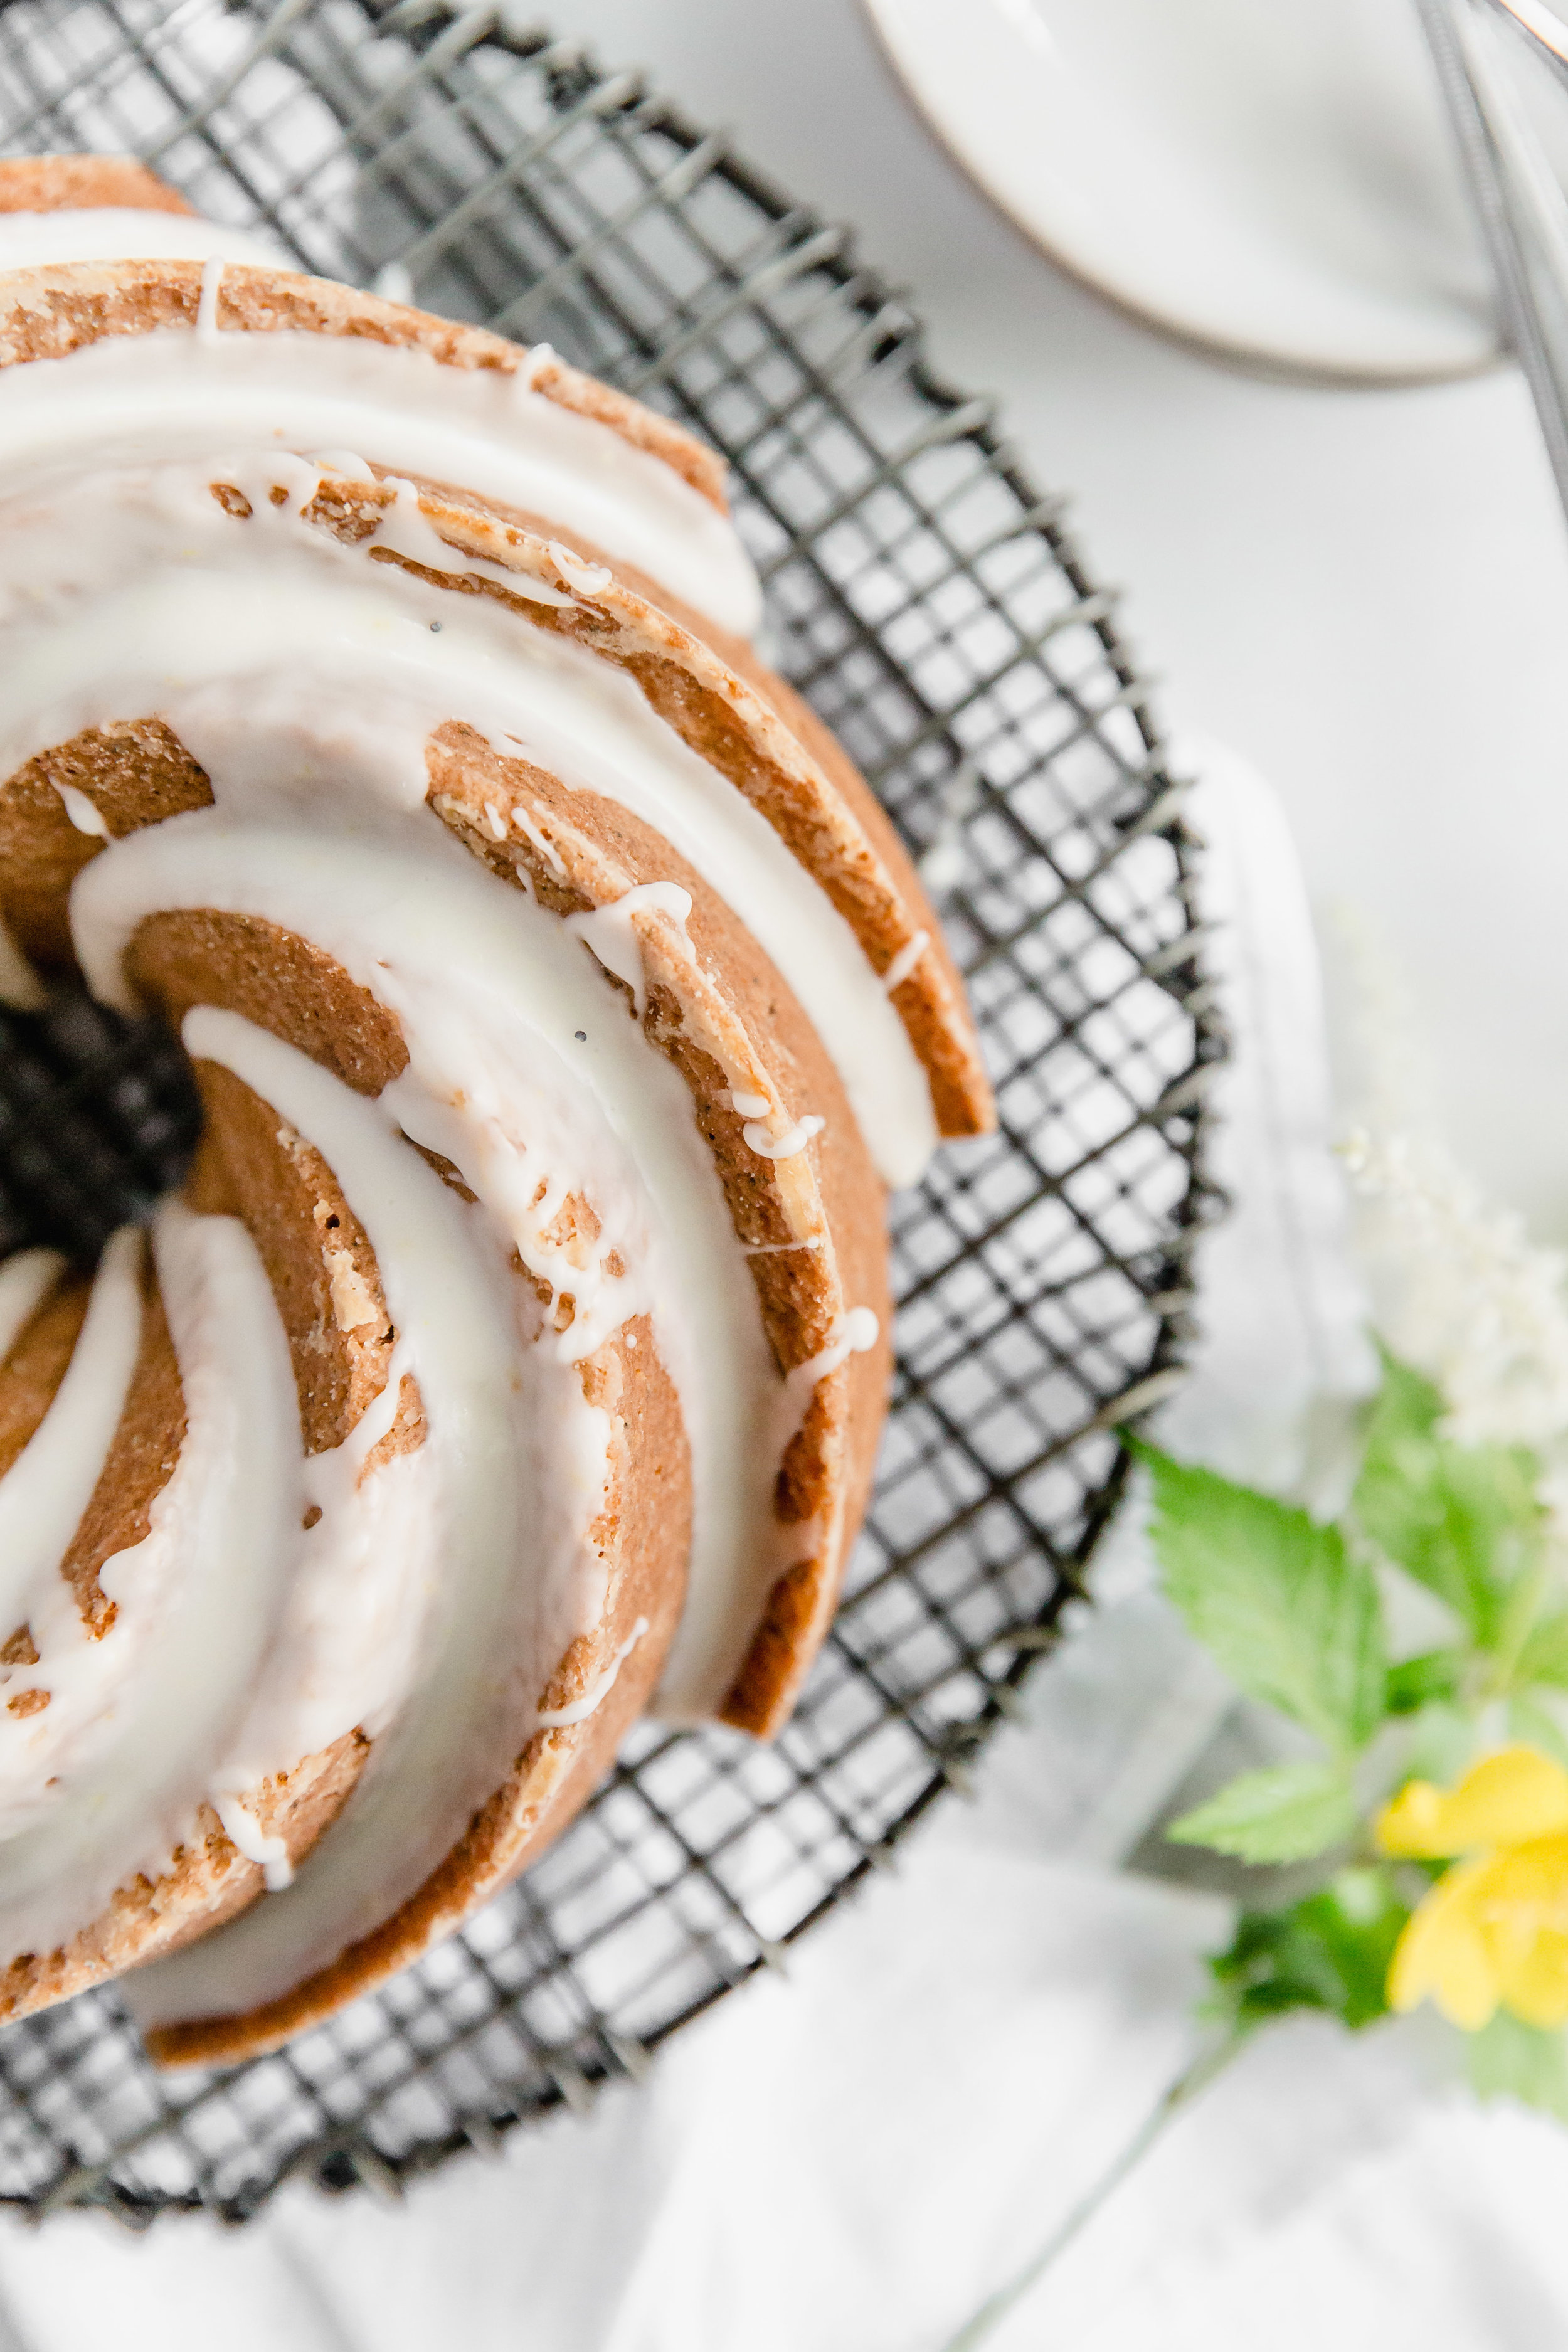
<point x="376" y="705"/>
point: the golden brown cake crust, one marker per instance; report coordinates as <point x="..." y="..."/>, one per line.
<point x="35" y="1362"/>
<point x="272" y="977"/>
<point x="67" y="183"/>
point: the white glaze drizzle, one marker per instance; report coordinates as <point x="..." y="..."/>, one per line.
<point x="50" y="1484"/>
<point x="156" y="598"/>
<point x="247" y="1834"/>
<point x="541" y="842"/>
<point x="904" y="962"/>
<point x="407" y="530"/>
<point x="20" y="986"/>
<point x="197" y="1601"/>
<point x="26" y="1281"/>
<point x="140" y="398"/>
<point x="83" y="1674"/>
<point x="344" y="462"/>
<point x="794" y="1139"/>
<point x="589" y="579"/>
<point x="750" y="1105"/>
<point x="346" y="1651"/>
<point x="124" y="233"/>
<point x="613" y="935"/>
<point x="537" y="356"/>
<point x="854" y="1334"/>
<point x="496" y="1628"/>
<point x="82" y="813"/>
<point x="553" y="1719"/>
<point x="206" y="306"/>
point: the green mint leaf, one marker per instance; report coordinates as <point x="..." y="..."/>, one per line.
<point x="1463" y="1520"/>
<point x="1283" y="1814"/>
<point x="1508" y="2060"/>
<point x="1288" y="1610"/>
<point x="1329" y="1951"/>
<point x="1415" y="1683"/>
<point x="1544" y="1656"/>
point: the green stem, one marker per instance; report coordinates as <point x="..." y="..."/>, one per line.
<point x="1193" y="2078"/>
<point x="1520" y="1612"/>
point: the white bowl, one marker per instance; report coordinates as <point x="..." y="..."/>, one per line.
<point x="1271" y="179"/>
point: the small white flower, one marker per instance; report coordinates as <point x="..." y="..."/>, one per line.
<point x="1459" y="1291"/>
<point x="1456" y="1288"/>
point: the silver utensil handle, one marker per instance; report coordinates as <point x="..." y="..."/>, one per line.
<point x="1519" y="202"/>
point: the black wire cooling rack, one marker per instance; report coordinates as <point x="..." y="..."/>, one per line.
<point x="927" y="599"/>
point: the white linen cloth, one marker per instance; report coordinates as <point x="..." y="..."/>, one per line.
<point x="851" y="2158"/>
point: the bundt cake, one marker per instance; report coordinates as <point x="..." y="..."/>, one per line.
<point x="376" y="705"/>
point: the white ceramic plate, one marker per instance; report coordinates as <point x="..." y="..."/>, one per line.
<point x="1269" y="178"/>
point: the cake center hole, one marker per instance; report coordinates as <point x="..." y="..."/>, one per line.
<point x="99" y="1117"/>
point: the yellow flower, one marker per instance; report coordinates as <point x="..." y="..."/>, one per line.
<point x="1494" y="1929"/>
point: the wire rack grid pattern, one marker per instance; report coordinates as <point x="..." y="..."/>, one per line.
<point x="929" y="602"/>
